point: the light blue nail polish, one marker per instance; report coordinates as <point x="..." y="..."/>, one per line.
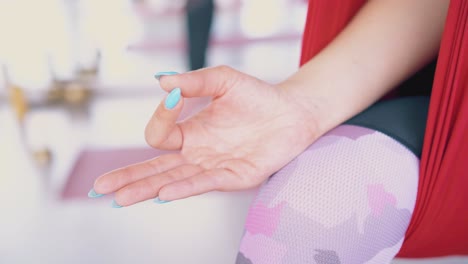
<point x="115" y="204"/>
<point x="164" y="73"/>
<point x="159" y="201"/>
<point x="173" y="98"/>
<point x="93" y="194"/>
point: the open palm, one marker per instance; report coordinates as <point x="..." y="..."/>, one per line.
<point x="249" y="130"/>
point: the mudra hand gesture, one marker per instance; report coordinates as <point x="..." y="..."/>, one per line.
<point x="248" y="131"/>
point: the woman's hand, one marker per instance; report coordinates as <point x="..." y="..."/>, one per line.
<point x="250" y="130"/>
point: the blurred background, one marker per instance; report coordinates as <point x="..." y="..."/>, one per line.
<point x="76" y="91"/>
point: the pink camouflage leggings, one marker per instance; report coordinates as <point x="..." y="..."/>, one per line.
<point x="348" y="198"/>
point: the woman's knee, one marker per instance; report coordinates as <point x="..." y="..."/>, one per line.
<point x="349" y="197"/>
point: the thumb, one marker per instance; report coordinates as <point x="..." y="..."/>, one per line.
<point x="213" y="82"/>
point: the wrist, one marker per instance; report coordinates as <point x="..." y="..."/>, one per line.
<point x="312" y="110"/>
<point x="315" y="106"/>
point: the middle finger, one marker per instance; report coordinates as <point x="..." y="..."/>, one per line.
<point x="149" y="187"/>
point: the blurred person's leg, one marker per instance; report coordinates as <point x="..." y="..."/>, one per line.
<point x="199" y="20"/>
<point x="348" y="198"/>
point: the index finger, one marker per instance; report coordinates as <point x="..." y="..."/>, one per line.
<point x="162" y="131"/>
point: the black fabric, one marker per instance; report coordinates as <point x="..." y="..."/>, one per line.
<point x="420" y="84"/>
<point x="403" y="119"/>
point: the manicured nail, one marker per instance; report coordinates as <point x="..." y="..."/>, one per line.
<point x="159" y="201"/>
<point x="93" y="194"/>
<point x="115" y="204"/>
<point x="173" y="98"/>
<point x="165" y="73"/>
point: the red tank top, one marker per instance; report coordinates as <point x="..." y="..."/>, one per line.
<point x="439" y="225"/>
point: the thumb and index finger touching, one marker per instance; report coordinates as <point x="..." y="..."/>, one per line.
<point x="162" y="130"/>
<point x="205" y="82"/>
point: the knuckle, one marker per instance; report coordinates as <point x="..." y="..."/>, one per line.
<point x="171" y="176"/>
<point x="152" y="185"/>
<point x="151" y="139"/>
<point x="133" y="193"/>
<point x="228" y="77"/>
<point x="153" y="142"/>
<point x="125" y="174"/>
<point x="190" y="184"/>
<point x="224" y="69"/>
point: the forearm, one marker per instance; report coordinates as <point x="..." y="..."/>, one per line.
<point x="385" y="43"/>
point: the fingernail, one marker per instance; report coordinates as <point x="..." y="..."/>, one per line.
<point x="159" y="201"/>
<point x="115" y="204"/>
<point x="93" y="194"/>
<point x="173" y="98"/>
<point x="165" y="73"/>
